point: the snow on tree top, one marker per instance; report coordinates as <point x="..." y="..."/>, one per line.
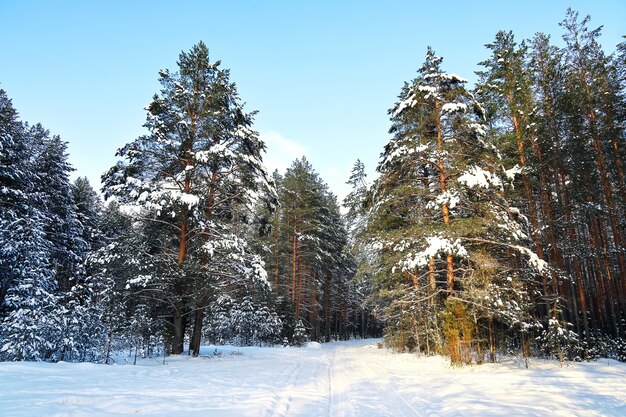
<point x="189" y="200"/>
<point x="453" y="108"/>
<point x="534" y="261"/>
<point x="451" y="198"/>
<point x="436" y="245"/>
<point x="429" y="90"/>
<point x="445" y="76"/>
<point x="512" y="172"/>
<point x="244" y="132"/>
<point x="478" y="177"/>
<point x="402" y="150"/>
<point x="479" y="128"/>
<point x="409" y="101"/>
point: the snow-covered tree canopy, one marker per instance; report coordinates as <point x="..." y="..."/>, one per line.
<point x="201" y="153"/>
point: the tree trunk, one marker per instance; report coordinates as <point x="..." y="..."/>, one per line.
<point x="445" y="211"/>
<point x="196" y="336"/>
<point x="178" y="332"/>
<point x="314" y="315"/>
<point x="492" y="345"/>
<point x="327" y="306"/>
<point x="294" y="265"/>
<point x="431" y="274"/>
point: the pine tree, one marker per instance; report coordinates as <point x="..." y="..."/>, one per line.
<point x="357" y="200"/>
<point x="445" y="235"/>
<point x="305" y="248"/>
<point x="358" y="204"/>
<point x="591" y="109"/>
<point x="506" y="84"/>
<point x="195" y="173"/>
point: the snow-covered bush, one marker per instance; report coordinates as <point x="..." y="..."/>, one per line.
<point x="558" y="341"/>
<point x="601" y="345"/>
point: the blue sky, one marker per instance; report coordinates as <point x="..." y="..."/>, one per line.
<point x="321" y="73"/>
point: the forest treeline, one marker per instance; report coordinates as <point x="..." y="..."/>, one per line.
<point x="495" y="224"/>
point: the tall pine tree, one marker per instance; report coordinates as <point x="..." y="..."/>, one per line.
<point x="193" y="174"/>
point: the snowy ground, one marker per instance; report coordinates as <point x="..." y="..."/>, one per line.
<point x="337" y="379"/>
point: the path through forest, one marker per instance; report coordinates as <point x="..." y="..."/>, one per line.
<point x="342" y="379"/>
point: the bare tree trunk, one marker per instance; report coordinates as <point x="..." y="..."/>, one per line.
<point x="196" y="336"/>
<point x="294" y="264"/>
<point x="327" y="306"/>
<point x="178" y="332"/>
<point x="492" y="345"/>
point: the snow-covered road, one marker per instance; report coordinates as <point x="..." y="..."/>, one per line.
<point x="337" y="379"/>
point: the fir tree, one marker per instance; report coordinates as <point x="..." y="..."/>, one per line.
<point x="15" y="186"/>
<point x="27" y="284"/>
<point x="88" y="211"/>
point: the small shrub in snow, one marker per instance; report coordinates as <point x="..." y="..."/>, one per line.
<point x="299" y="334"/>
<point x="602" y="345"/>
<point x="558" y="341"/>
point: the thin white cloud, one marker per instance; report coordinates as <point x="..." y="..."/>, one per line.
<point x="281" y="151"/>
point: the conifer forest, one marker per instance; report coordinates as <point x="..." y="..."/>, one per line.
<point x="495" y="225"/>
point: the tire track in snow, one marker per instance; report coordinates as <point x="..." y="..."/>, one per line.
<point x="331" y="399"/>
<point x="356" y="388"/>
<point x="284" y="395"/>
<point x="338" y="406"/>
<point x="393" y="400"/>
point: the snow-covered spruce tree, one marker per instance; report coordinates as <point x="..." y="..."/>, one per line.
<point x="77" y="321"/>
<point x="251" y="324"/>
<point x="63" y="229"/>
<point x="27" y="300"/>
<point x="88" y="211"/>
<point x="15" y="186"/>
<point x="108" y="267"/>
<point x="194" y="174"/>
<point x="299" y="334"/>
<point x="558" y="341"/>
<point x="84" y="327"/>
<point x="243" y="323"/>
<point x="449" y="246"/>
<point x="141" y="335"/>
<point x="29" y="330"/>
